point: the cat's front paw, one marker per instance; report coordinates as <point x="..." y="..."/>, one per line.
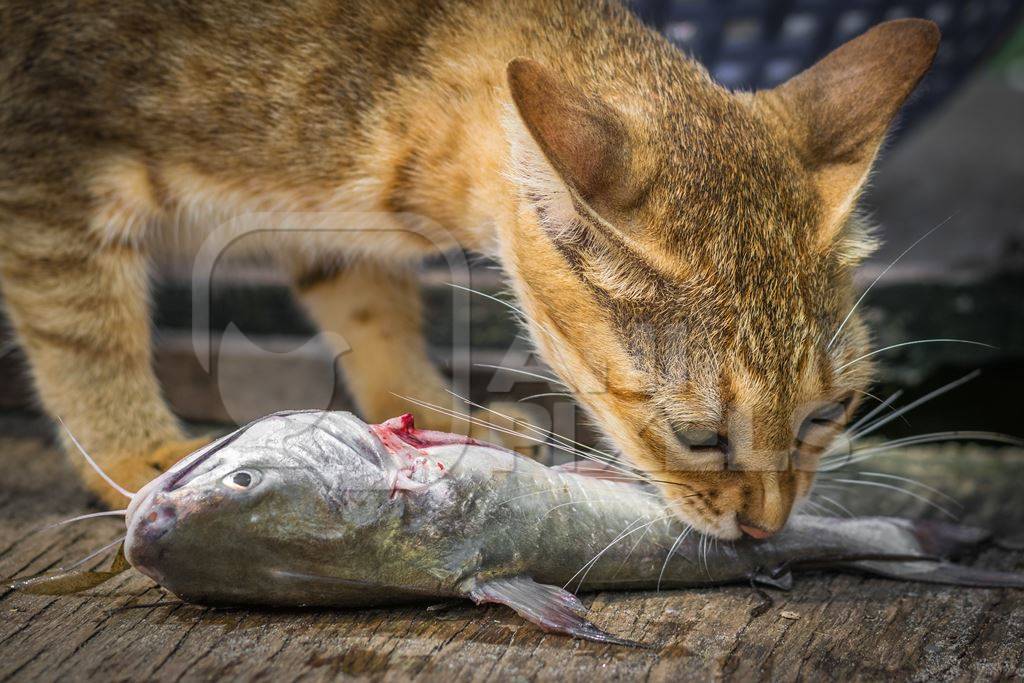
<point x="169" y="453"/>
<point x="132" y="471"/>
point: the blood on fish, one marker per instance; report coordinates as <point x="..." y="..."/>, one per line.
<point x="402" y="430"/>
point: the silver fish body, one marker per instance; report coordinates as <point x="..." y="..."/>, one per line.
<point x="319" y="508"/>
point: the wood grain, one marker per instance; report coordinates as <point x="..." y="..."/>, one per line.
<point x="848" y="627"/>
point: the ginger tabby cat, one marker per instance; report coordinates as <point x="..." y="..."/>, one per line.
<point x="684" y="253"/>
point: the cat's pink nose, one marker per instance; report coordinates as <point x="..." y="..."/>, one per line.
<point x="755" y="532"/>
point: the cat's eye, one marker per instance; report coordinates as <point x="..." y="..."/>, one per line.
<point x="832" y="414"/>
<point x="704" y="442"/>
<point x="827" y="417"/>
<point x="242" y="480"/>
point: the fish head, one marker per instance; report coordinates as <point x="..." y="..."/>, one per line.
<point x="273" y="499"/>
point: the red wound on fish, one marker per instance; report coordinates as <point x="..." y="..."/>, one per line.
<point x="402" y="430"/>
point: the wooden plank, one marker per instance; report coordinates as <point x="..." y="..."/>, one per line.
<point x="849" y="627"/>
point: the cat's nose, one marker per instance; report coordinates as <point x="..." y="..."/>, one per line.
<point x="768" y="503"/>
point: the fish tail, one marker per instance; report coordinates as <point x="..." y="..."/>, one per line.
<point x="944" y="573"/>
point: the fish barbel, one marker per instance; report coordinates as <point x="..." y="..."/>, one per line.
<point x="319" y="508"/>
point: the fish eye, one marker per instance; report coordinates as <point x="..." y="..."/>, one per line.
<point x="242" y="480"/>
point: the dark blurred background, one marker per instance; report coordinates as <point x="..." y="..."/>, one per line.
<point x="956" y="158"/>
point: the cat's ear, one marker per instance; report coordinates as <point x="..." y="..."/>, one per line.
<point x="839" y="110"/>
<point x="583" y="139"/>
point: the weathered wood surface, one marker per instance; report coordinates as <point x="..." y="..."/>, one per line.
<point x="848" y="626"/>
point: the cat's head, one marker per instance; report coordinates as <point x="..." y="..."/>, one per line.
<point x="685" y="256"/>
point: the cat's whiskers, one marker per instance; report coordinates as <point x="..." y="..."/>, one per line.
<point x="630" y="529"/>
<point x="559" y="487"/>
<point x="520" y="313"/>
<point x="545" y="394"/>
<point x="594" y="454"/>
<point x="587" y="501"/>
<point x="94" y="553"/>
<point x="527" y="373"/>
<point x="625" y="559"/>
<point x="704" y="544"/>
<point x="852" y="434"/>
<point x="863" y="454"/>
<point x="914" y="482"/>
<point x="866" y="419"/>
<point x="497" y="428"/>
<point x="911" y="343"/>
<point x="846" y="437"/>
<point x="836" y="504"/>
<point x="585" y="569"/>
<point x="92" y="463"/>
<point x="808" y="503"/>
<point x="671" y="551"/>
<point x="885" y="403"/>
<point x="473" y="420"/>
<point x="79" y="518"/>
<point x="878" y="484"/>
<point x="896" y="260"/>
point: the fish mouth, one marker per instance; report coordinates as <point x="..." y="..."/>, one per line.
<point x="178" y="475"/>
<point x="149" y="518"/>
<point x="151" y="515"/>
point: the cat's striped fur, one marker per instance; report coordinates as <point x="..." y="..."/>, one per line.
<point x="683" y="252"/>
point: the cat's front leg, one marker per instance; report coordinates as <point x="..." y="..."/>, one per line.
<point x="80" y="313"/>
<point x="374" y="312"/>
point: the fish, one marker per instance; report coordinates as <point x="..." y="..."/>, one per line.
<point x="321" y="509"/>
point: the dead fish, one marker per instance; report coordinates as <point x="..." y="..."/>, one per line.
<point x="311" y="508"/>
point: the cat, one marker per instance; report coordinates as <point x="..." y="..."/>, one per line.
<point x="683" y="253"/>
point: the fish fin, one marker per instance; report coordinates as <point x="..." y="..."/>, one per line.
<point x="781" y="579"/>
<point x="551" y="608"/>
<point x="120" y="562"/>
<point x="945" y="573"/>
<point x="594" y="470"/>
<point x="66" y="583"/>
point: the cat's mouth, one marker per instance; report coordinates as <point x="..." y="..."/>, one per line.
<point x="725" y="527"/>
